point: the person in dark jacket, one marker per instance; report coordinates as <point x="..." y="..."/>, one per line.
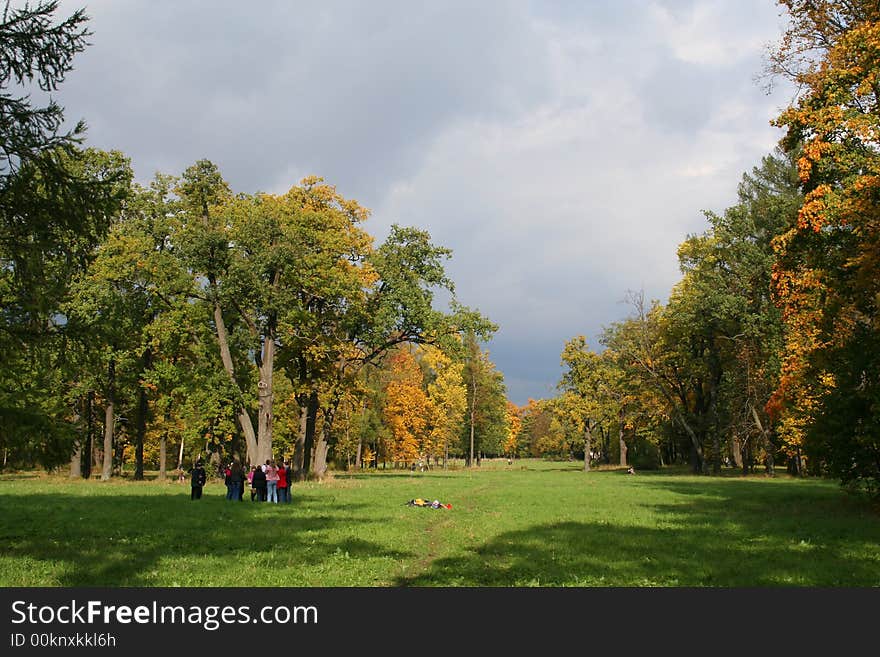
<point x="259" y="484"/>
<point x="236" y="478"/>
<point x="199" y="476"/>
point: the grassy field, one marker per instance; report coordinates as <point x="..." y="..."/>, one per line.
<point x="529" y="524"/>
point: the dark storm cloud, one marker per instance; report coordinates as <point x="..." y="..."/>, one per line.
<point x="351" y="91"/>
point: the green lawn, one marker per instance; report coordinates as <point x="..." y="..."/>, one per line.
<point x="529" y="524"/>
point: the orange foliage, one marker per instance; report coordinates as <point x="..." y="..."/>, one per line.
<point x="407" y="409"/>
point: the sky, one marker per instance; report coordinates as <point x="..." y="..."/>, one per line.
<point x="562" y="150"/>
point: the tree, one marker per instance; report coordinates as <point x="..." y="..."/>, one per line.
<point x="825" y="280"/>
<point x="486" y="428"/>
<point x="582" y="383"/>
<point x="407" y="410"/>
<point x="648" y="351"/>
<point x="39" y="258"/>
<point x="56" y="202"/>
<point x="36" y="49"/>
<point x="396" y="307"/>
<point x="448" y="394"/>
<point x="514" y="423"/>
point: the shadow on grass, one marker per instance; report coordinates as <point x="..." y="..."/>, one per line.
<point x="123" y="540"/>
<point x="17" y="476"/>
<point x="720" y="533"/>
<point x="431" y="474"/>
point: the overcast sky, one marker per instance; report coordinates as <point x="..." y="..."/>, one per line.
<point x="562" y="150"/>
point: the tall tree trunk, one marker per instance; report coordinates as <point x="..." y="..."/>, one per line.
<point x="716" y="466"/>
<point x="311" y="420"/>
<point x="697" y="459"/>
<point x="143" y="411"/>
<point x="118" y="458"/>
<point x="472" y="415"/>
<point x="107" y="452"/>
<point x="620" y="440"/>
<point x="299" y="447"/>
<point x="163" y="448"/>
<point x="357" y="461"/>
<point x="88" y="448"/>
<point x="109" y="418"/>
<point x="76" y="457"/>
<point x="241" y="414"/>
<point x="264" y="391"/>
<point x="765" y="439"/>
<point x="606" y="445"/>
<point x="180" y="454"/>
<point x="323" y="445"/>
<point x="163" y="456"/>
<point x="588" y="445"/>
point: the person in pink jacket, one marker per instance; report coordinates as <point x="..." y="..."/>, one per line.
<point x="271" y="482"/>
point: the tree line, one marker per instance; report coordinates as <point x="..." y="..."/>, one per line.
<point x="182" y="318"/>
<point x="184" y="315"/>
<point x="767" y="351"/>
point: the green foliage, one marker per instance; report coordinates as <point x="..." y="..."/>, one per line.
<point x="38" y="50"/>
<point x="708" y="360"/>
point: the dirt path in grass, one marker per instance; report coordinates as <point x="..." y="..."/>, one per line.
<point x="436" y="534"/>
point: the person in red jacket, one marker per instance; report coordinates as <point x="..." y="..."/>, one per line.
<point x="282" y="483"/>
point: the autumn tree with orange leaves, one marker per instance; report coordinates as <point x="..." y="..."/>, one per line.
<point x="826" y="278"/>
<point x="407" y="410"/>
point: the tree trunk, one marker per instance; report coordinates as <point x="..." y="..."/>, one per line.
<point x="241" y="414"/>
<point x="264" y="392"/>
<point x="299" y="447"/>
<point x="109" y="417"/>
<point x="143" y="410"/>
<point x="76" y="461"/>
<point x="472" y="417"/>
<point x="163" y="450"/>
<point x="696" y="446"/>
<point x="323" y="445"/>
<point x="76" y="456"/>
<point x="90" y="435"/>
<point x="357" y="461"/>
<point x="621" y="441"/>
<point x="768" y="445"/>
<point x="321" y="448"/>
<point x="308" y="443"/>
<point x="163" y="456"/>
<point x="118" y="458"/>
<point x="716" y="466"/>
<point x="180" y="454"/>
<point x="107" y="468"/>
<point x="588" y="446"/>
<point x="737" y="449"/>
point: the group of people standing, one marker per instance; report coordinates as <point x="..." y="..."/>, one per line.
<point x="268" y="482"/>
